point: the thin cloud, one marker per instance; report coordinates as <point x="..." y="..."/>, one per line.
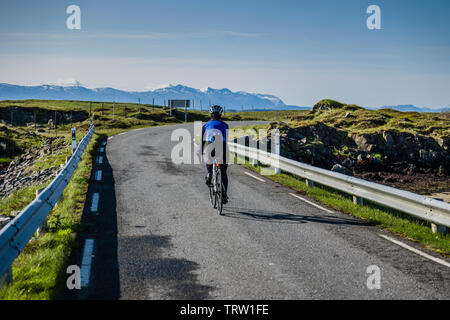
<point x="138" y="36"/>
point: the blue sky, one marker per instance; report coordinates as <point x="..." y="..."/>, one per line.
<point x="301" y="51"/>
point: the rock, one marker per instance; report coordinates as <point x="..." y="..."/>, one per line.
<point x="348" y="163"/>
<point x="412" y="169"/>
<point x="390" y="180"/>
<point x="4" y="220"/>
<point x="341" y="169"/>
<point x="442" y="171"/>
<point x="325" y="105"/>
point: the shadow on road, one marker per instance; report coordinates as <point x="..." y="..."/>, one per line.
<point x="102" y="228"/>
<point x="285" y="217"/>
<point x="148" y="273"/>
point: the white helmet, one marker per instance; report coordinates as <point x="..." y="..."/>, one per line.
<point x="216" y="109"/>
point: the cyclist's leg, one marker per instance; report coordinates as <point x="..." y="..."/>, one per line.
<point x="209" y="169"/>
<point x="223" y="173"/>
<point x="224" y="167"/>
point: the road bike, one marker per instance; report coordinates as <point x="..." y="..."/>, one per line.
<point x="216" y="189"/>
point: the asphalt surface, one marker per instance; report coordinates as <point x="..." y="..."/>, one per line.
<point x="157" y="237"/>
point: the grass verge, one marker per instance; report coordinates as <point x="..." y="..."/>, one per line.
<point x="37" y="268"/>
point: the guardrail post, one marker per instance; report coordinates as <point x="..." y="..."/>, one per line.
<point x="357" y="200"/>
<point x="309" y="183"/>
<point x="43" y="225"/>
<point x="7" y="277"/>
<point x="74" y="140"/>
<point x="277" y="149"/>
<point x="438" y="229"/>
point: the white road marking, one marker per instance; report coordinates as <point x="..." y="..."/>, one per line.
<point x="98" y="175"/>
<point x="100" y="159"/>
<point x="109" y="138"/>
<point x="423" y="254"/>
<point x="254" y="177"/>
<point x="94" y="204"/>
<point x="121" y="133"/>
<point x="102" y="149"/>
<point x="86" y="262"/>
<point x="311" y="203"/>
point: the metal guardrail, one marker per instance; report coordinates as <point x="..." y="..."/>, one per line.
<point x="431" y="210"/>
<point x="16" y="234"/>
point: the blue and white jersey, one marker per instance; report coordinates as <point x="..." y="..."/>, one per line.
<point x="213" y="128"/>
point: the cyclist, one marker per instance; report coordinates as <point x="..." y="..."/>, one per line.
<point x="210" y="130"/>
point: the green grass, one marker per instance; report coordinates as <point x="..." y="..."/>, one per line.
<point x="18" y="200"/>
<point x="38" y="268"/>
<point x="398" y="223"/>
<point x="359" y="121"/>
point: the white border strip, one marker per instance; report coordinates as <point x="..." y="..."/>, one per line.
<point x="311" y="203"/>
<point x="95" y="200"/>
<point x="254" y="177"/>
<point x="401" y="244"/>
<point x="86" y="262"/>
<point x="98" y="175"/>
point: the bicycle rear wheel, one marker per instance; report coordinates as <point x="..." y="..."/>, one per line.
<point x="219" y="191"/>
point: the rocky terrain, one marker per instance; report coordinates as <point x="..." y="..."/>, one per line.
<point x="19" y="172"/>
<point x="332" y="137"/>
<point x="19" y="115"/>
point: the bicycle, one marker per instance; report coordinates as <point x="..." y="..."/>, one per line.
<point x="216" y="189"/>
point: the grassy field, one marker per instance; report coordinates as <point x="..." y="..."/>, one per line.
<point x="354" y="119"/>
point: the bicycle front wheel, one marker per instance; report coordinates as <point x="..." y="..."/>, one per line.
<point x="212" y="196"/>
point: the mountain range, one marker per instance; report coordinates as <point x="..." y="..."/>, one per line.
<point x="238" y="101"/>
<point x="412" y="108"/>
<point x="201" y="97"/>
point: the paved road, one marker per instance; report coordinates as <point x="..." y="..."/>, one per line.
<point x="156" y="237"/>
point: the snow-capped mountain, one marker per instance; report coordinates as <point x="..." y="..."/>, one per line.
<point x="201" y="97"/>
<point x="410" y="108"/>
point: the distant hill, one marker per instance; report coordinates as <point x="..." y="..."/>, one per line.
<point x="202" y="97"/>
<point x="411" y="108"/>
